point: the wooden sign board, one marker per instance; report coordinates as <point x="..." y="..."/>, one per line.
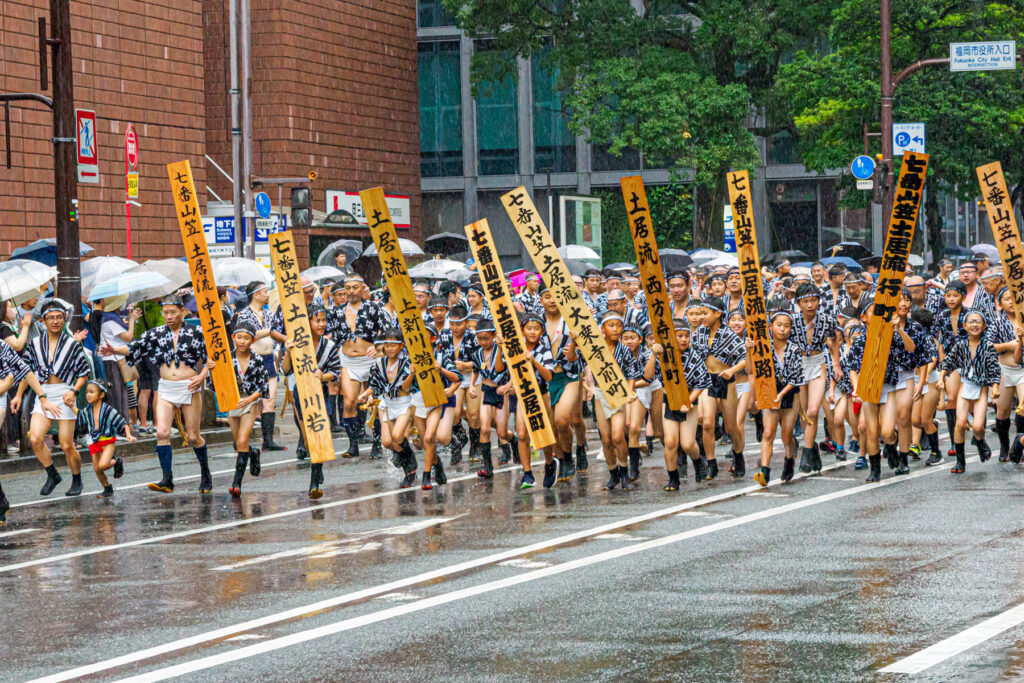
<point x="215" y="334"/>
<point x="762" y="356"/>
<point x="315" y="424"/>
<point x="890" y="280"/>
<point x="517" y="358"/>
<point x="1004" y="230"/>
<point x="589" y="342"/>
<point x="392" y="263"/>
<point x="653" y="279"/>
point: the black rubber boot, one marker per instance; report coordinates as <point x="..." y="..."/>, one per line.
<point x="712" y="469"/>
<point x="166" y="483"/>
<point x="487" y="471"/>
<point x="241" y="460"/>
<point x="52" y="479"/>
<point x="816" y="459"/>
<point x="933" y="444"/>
<point x="474" y="445"/>
<point x="566" y="467"/>
<point x="352" y="431"/>
<point x="764" y="476"/>
<point x="624" y="483"/>
<point x="118" y="468"/>
<point x="1017" y="450"/>
<point x="267" y="421"/>
<point x="903" y="467"/>
<point x="682" y="463"/>
<point x="426" y="485"/>
<point x="4" y="506"/>
<point x="1003" y="433"/>
<point x="758" y="426"/>
<point x="633" y="473"/>
<point x="76" y="486"/>
<point x="984" y="452"/>
<point x="438" y="471"/>
<point x="459" y="440"/>
<point x="550" y="474"/>
<point x="739" y="465"/>
<point x="255" y="467"/>
<point x="875" y="471"/>
<point x="613" y="479"/>
<point x="892" y="456"/>
<point x="376" y="451"/>
<point x="205" y="479"/>
<point x="409" y="465"/>
<point x="951" y="426"/>
<point x="650" y="445"/>
<point x="806" y="454"/>
<point x="788" y="467"/>
<point x="961" y="461"/>
<point x="581" y="458"/>
<point x="1018" y="423"/>
<point x="316" y="480"/>
<point x="673" y="481"/>
<point x="506" y="454"/>
<point x="700" y="472"/>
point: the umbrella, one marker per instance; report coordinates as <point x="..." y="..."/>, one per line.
<point x="446" y="243"/>
<point x="175" y="270"/>
<point x="101" y="269"/>
<point x="577" y="267"/>
<point x="987" y="249"/>
<point x="126" y="283"/>
<point x="578" y="252"/>
<point x="854" y="250"/>
<point x="725" y="260"/>
<point x="409" y="248"/>
<point x="19" y="276"/>
<point x="915" y="260"/>
<point x="702" y="256"/>
<point x="842" y="260"/>
<point x="352" y="248"/>
<point x="321" y="273"/>
<point x="234" y="271"/>
<point x="45" y="251"/>
<point x="674" y="259"/>
<point x="620" y="266"/>
<point x="780" y="256"/>
<point x="956" y="251"/>
<point x="439" y="269"/>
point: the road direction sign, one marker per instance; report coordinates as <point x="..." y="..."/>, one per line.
<point x="992" y="55"/>
<point x="730" y="230"/>
<point x="263" y="204"/>
<point x="907" y="137"/>
<point x="866" y="184"/>
<point x="862" y="167"/>
<point x="85" y="144"/>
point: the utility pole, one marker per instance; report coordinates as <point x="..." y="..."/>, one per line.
<point x="250" y="215"/>
<point x="65" y="163"/>
<point x="236" y="126"/>
<point x="886" y="114"/>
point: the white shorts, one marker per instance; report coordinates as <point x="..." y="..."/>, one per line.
<point x="646" y="394"/>
<point x="742" y="388"/>
<point x="3" y="403"/>
<point x="421" y="408"/>
<point x="55" y="394"/>
<point x="176" y="391"/>
<point x="358" y="366"/>
<point x="1012" y="377"/>
<point x="391" y="409"/>
<point x="239" y="412"/>
<point x="466" y="377"/>
<point x="599" y="397"/>
<point x="969" y="391"/>
<point x="933" y="377"/>
<point x="901" y="383"/>
<point x="812" y="366"/>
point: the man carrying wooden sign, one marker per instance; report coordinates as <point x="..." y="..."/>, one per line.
<point x="1004" y="229"/>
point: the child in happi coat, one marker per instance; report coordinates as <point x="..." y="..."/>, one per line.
<point x="680" y="426"/>
<point x="434" y="423"/>
<point x="391" y="378"/>
<point x="102" y="424"/>
<point x="543" y="362"/>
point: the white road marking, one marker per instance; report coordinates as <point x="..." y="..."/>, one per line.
<point x="619" y="537"/>
<point x="399" y="584"/>
<point x="491" y="586"/>
<point x="954" y="645"/>
<point x="16" y="532"/>
<point x="398" y="597"/>
<point x="701" y="513"/>
<point x="767" y="494"/>
<point x="523" y="563"/>
<point x="246" y="636"/>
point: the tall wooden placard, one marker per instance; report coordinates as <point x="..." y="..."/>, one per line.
<point x="1004" y="230"/>
<point x="890" y="280"/>
<point x="653" y="279"/>
<point x="762" y="356"/>
<point x="400" y="286"/>
<point x="315" y="425"/>
<point x="590" y="342"/>
<point x="215" y="334"/>
<point x="517" y="358"/>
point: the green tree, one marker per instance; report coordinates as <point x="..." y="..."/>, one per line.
<point x="972" y="118"/>
<point x="671" y="213"/>
<point x="678" y="81"/>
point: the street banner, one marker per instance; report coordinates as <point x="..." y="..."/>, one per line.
<point x="315" y="425"/>
<point x="392" y="263"/>
<point x="518" y="360"/>
<point x="762" y="356"/>
<point x="1004" y="229"/>
<point x="204" y="288"/>
<point x="652" y="276"/>
<point x="878" y="341"/>
<point x="590" y="342"/>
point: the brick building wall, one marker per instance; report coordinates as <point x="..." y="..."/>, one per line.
<point x="134" y="62"/>
<point x="334" y="89"/>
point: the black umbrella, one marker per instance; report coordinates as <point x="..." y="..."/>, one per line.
<point x="854" y="250"/>
<point x="674" y="259"/>
<point x="792" y="255"/>
<point x="446" y="243"/>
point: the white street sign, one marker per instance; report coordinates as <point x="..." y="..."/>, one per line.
<point x="988" y="56"/>
<point x="907" y="137"/>
<point x="865" y="184"/>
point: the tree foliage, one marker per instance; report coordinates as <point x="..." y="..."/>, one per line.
<point x="671" y="214"/>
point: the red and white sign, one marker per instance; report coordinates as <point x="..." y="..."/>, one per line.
<point x="131" y="148"/>
<point x="398" y="205"/>
<point x="85" y="144"/>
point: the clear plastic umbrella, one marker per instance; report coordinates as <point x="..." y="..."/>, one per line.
<point x="352" y="248"/>
<point x="409" y="248"/>
<point x="19" y="276"/>
<point x="321" y="273"/>
<point x="233" y="271"/>
<point x="126" y="283"/>
<point x="578" y="252"/>
<point x="438" y="269"/>
<point x="101" y="269"/>
<point x="175" y="270"/>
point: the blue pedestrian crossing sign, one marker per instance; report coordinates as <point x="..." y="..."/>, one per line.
<point x="263" y="204"/>
<point x="862" y="167"/>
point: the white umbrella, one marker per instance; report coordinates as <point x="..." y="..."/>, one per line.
<point x="436" y="269"/>
<point x="175" y="270"/>
<point x="19" y="276"/>
<point x="915" y="260"/>
<point x="409" y="248"/>
<point x="126" y="283"/>
<point x="726" y="260"/>
<point x="321" y="273"/>
<point x="702" y="256"/>
<point x="234" y="271"/>
<point x="987" y="249"/>
<point x="578" y="252"/>
<point x="101" y="269"/>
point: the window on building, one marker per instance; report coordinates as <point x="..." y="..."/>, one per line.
<point x="440" y="109"/>
<point x="431" y="13"/>
<point x="554" y="145"/>
<point x="497" y="125"/>
<point x="442" y="212"/>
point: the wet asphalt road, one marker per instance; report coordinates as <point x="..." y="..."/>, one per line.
<point x="822" y="579"/>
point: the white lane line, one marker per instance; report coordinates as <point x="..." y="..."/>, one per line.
<point x="954" y="645"/>
<point x="397" y="585"/>
<point x="491" y="586"/>
<point x="7" y="534"/>
<point x="523" y="563"/>
<point x="225" y="525"/>
<point x="318" y="550"/>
